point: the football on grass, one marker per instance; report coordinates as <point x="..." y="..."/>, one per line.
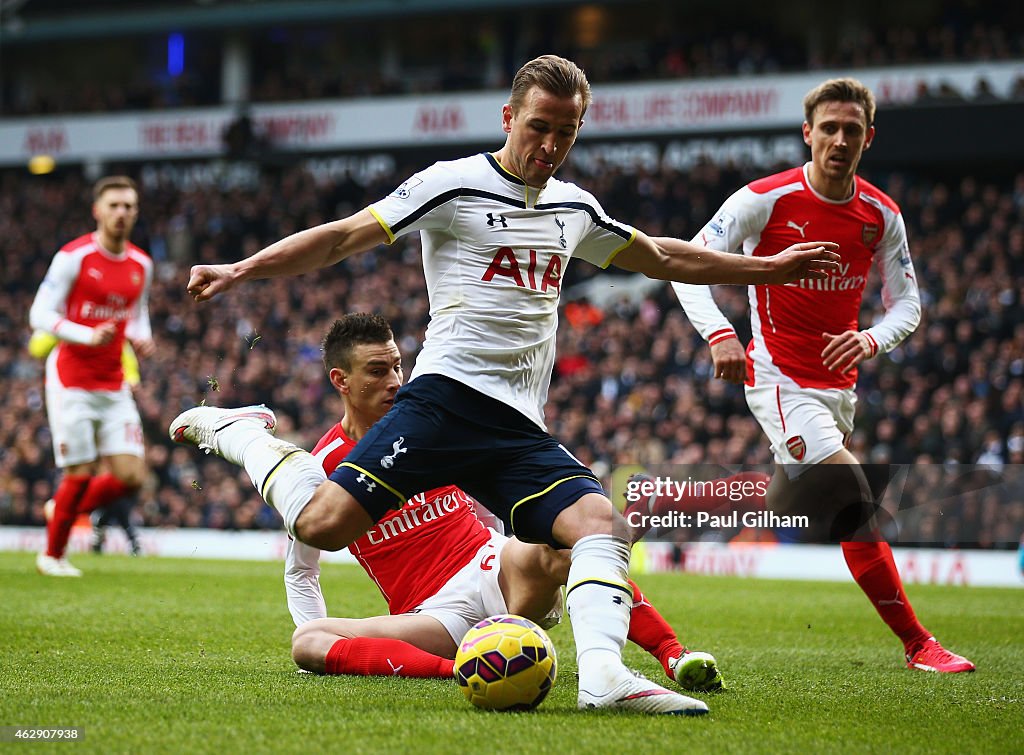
<point x="506" y="662"/>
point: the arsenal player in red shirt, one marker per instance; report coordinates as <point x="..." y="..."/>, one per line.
<point x="800" y="368"/>
<point x="94" y="297"/>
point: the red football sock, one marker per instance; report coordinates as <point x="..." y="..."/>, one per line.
<point x="377" y="656"/>
<point x="649" y="630"/>
<point x="874" y="569"/>
<point x="58" y="529"/>
<point x="103" y="489"/>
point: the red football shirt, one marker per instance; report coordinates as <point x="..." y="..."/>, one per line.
<point x="412" y="552"/>
<point x="85" y="286"/>
<point x="787" y="322"/>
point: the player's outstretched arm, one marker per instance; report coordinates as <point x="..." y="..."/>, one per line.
<point x="299" y="253"/>
<point x="678" y="260"/>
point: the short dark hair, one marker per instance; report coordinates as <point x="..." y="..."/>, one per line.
<point x="349" y="331"/>
<point x="112" y="182"/>
<point x="553" y="74"/>
<point x="840" y="90"/>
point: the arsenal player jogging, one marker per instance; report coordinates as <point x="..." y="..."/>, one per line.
<point x="497" y="231"/>
<point x="436" y="564"/>
<point x="93" y="298"/>
<point x="800" y="367"/>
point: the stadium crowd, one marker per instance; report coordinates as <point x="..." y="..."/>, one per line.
<point x="692" y="50"/>
<point x="344" y="60"/>
<point x="632" y="383"/>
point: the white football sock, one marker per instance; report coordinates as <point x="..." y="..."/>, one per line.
<point x="599" y="599"/>
<point x="234" y="440"/>
<point x="284" y="474"/>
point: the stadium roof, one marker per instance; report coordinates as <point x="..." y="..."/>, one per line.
<point x="46" y="20"/>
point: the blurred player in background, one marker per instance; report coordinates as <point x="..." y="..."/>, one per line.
<point x="800" y="367"/>
<point x="497" y="232"/>
<point x="93" y="298"/>
<point x="120" y="511"/>
<point x="436" y="564"/>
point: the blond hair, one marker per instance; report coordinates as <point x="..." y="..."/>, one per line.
<point x="840" y="90"/>
<point x="553" y="74"/>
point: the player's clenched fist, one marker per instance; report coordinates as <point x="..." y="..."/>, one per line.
<point x="103" y="334"/>
<point x="730" y="360"/>
<point x="844" y="351"/>
<point x="206" y="281"/>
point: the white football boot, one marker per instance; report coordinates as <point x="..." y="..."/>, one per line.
<point x="696" y="671"/>
<point x="199" y="426"/>
<point x="55" y="567"/>
<point x="640" y="695"/>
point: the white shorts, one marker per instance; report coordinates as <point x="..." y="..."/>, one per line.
<point x="804" y="425"/>
<point x="87" y="425"/>
<point x="474" y="593"/>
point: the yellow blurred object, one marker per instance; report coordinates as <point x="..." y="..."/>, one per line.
<point x="130" y="365"/>
<point x="620" y="476"/>
<point x="638" y="558"/>
<point x="40" y="165"/>
<point x="42" y="342"/>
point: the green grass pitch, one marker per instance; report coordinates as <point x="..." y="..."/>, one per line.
<point x="166" y="655"/>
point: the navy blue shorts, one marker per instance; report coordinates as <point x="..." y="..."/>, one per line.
<point x="441" y="432"/>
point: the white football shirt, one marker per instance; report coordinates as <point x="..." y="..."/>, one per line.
<point x="494" y="253"/>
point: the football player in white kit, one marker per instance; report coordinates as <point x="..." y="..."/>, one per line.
<point x="800" y="368"/>
<point x="441" y="561"/>
<point x="497" y="231"/>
